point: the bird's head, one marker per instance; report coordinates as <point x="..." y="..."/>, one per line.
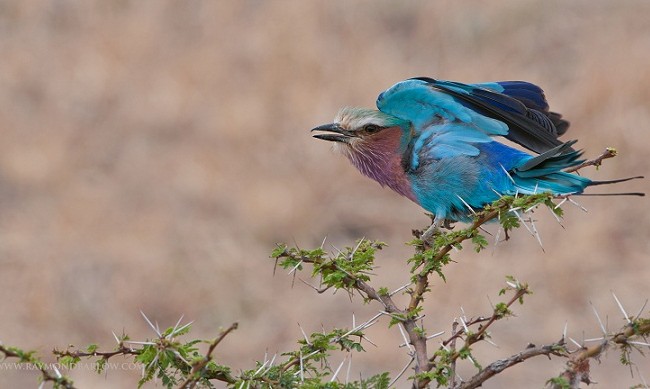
<point x="374" y="142"/>
<point x="356" y="129"/>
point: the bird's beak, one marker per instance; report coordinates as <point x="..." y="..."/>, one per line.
<point x="335" y="133"/>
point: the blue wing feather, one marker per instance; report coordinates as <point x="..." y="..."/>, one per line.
<point x="529" y="94"/>
<point x="415" y="101"/>
<point x="487" y="106"/>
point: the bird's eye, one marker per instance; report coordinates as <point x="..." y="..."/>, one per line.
<point x="372" y="128"/>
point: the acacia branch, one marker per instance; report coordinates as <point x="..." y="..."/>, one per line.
<point x="197" y="369"/>
<point x="122" y="350"/>
<point x="577" y="370"/>
<point x="500" y="365"/>
<point x="27" y="357"/>
<point x="608" y="153"/>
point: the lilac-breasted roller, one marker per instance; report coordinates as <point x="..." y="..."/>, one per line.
<point x="437" y="143"/>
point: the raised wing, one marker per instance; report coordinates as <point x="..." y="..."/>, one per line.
<point x="516" y="110"/>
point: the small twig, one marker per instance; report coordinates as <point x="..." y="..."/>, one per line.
<point x="195" y="374"/>
<point x="121" y="350"/>
<point x="608" y="153"/>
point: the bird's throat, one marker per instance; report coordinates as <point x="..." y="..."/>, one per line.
<point x="380" y="158"/>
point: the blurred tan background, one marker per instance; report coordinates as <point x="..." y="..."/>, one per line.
<point x="153" y="152"/>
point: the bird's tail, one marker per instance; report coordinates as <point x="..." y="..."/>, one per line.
<point x="607" y="182"/>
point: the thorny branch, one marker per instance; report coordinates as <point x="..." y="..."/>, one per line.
<point x="608" y="153"/>
<point x="577" y="369"/>
<point x="105" y="355"/>
<point x="497" y="367"/>
<point x="199" y="366"/>
<point x="57" y="378"/>
<point x="471" y="338"/>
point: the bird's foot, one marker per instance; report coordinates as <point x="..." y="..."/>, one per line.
<point x="447" y="225"/>
<point x="433" y="229"/>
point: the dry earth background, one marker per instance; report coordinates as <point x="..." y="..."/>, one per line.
<point x="152" y="153"/>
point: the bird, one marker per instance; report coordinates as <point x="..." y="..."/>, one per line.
<point x="445" y="145"/>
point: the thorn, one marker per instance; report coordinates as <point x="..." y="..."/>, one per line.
<point x="363" y="326"/>
<point x="181" y="358"/>
<point x="487" y="339"/>
<point x="368" y="340"/>
<point x="501" y="195"/>
<point x="270" y="364"/>
<point x="302" y="375"/>
<point x="176" y="331"/>
<point x="496" y="239"/>
<point x="337" y="250"/>
<point x="483" y="230"/>
<point x="464" y="325"/>
<point x="136" y="342"/>
<point x="490" y="301"/>
<point x="539" y="238"/>
<point x="116" y="338"/>
<point x="620" y="306"/>
<point x="531" y="208"/>
<point x="643" y="381"/>
<point x="177" y="323"/>
<point x="293" y="269"/>
<point x="401" y="372"/>
<point x="557" y="218"/>
<point x="602" y="327"/>
<point x="338" y="369"/>
<point x="406" y="341"/>
<point x="323" y="242"/>
<point x="594" y="339"/>
<point x="576" y="343"/>
<point x="566" y="326"/>
<point x="467" y="205"/>
<point x="304" y="335"/>
<point x="560" y="203"/>
<point x="638" y="343"/>
<point x="435" y="335"/>
<point x="153" y="362"/>
<point x="347" y="374"/>
<point x="311" y="353"/>
<point x="576" y="204"/>
<point x="391" y="315"/>
<point x="391" y="294"/>
<point x="154" y="328"/>
<point x="514" y="210"/>
<point x="507" y="174"/>
<point x="357" y="247"/>
<point x="641" y="310"/>
<point x="319" y="291"/>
